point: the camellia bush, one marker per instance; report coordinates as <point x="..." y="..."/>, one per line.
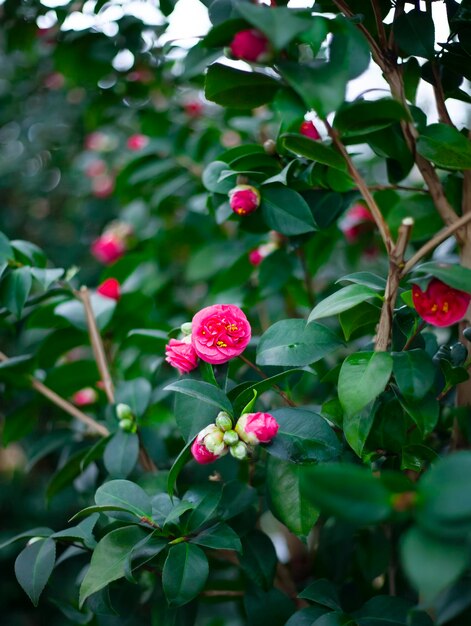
<point x="235" y="317"/>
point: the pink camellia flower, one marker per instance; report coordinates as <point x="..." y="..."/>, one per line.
<point x="255" y="428"/>
<point x="137" y="142"/>
<point x="193" y="108"/>
<point x="220" y="333"/>
<point x="110" y="288"/>
<point x="108" y="248"/>
<point x="250" y="45"/>
<point x="244" y="199"/>
<point x="103" y="186"/>
<point x="181" y="354"/>
<point x="85" y="397"/>
<point x="440" y="304"/>
<point x="95" y="168"/>
<point x="356" y="222"/>
<point x="208" y="445"/>
<point x="309" y="130"/>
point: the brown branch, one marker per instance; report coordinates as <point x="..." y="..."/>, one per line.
<point x="222" y="593"/>
<point x="262" y="374"/>
<point x="435" y="241"/>
<point x="396" y="262"/>
<point x="345" y="9"/>
<point x="65" y="405"/>
<point x="443" y="114"/>
<point x="363" y="188"/>
<point x="383" y="42"/>
<point x="97" y="344"/>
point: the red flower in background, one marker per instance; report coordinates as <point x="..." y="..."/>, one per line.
<point x="357" y="221"/>
<point x="110" y="288"/>
<point x="309" y="130"/>
<point x="250" y="45"/>
<point x="137" y="142"/>
<point x="440" y="304"/>
<point x="108" y="248"/>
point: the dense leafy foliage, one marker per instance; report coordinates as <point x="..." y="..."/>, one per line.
<point x="336" y="416"/>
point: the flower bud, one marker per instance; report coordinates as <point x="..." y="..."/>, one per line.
<point x="255" y="428"/>
<point x="181" y="354"/>
<point x="244" y="199"/>
<point x="137" y="142"/>
<point x="270" y="147"/>
<point x="124" y="412"/>
<point x="239" y="451"/>
<point x="458" y="353"/>
<point x="231" y="438"/>
<point x="186" y="328"/>
<point x="224" y="421"/>
<point x="128" y="425"/>
<point x="214" y="442"/>
<point x="110" y="288"/>
<point x="205" y="439"/>
<point x="85" y="397"/>
<point x="251" y="45"/>
<point x="309" y="130"/>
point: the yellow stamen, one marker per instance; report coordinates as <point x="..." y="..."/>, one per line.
<point x="445" y="307"/>
<point x="221" y="344"/>
<point x="231" y="327"/>
<point x="434" y="308"/>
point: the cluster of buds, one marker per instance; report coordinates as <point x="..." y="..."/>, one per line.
<point x="127" y="419"/>
<point x="222" y="437"/>
<point x="112" y="243"/>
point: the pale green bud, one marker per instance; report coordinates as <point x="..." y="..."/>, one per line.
<point x="186" y="328"/>
<point x="123" y="412"/>
<point x="127" y="425"/>
<point x="224" y="421"/>
<point x="239" y="451"/>
<point x="231" y="438"/>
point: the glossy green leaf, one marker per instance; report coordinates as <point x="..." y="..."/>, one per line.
<point x="181" y="460"/>
<point x="322" y="592"/>
<point x="414" y="33"/>
<point x="135" y="393"/>
<point x="346" y="491"/>
<point x="109" y="559"/>
<point x="34" y="565"/>
<point x="357" y="427"/>
<point x="445" y="146"/>
<point x="454" y="275"/>
<point x="258" y="559"/>
<point x="201" y="391"/>
<point x="73" y="311"/>
<point x="244" y="394"/>
<point x="295" y="343"/>
<point x="285" y="501"/>
<point x="185" y="572"/>
<point x="121" y="454"/>
<point x="238" y="89"/>
<point x="219" y="537"/>
<point x="286" y="211"/>
<point x="414" y="372"/>
<point x="365" y="116"/>
<point x="313" y="150"/>
<point x="342" y="300"/>
<point x="28" y="534"/>
<point x="424" y="412"/>
<point x="303" y="437"/>
<point x="363" y="376"/>
<point x="15" y="288"/>
<point x="126" y="494"/>
<point x="280" y="24"/>
<point x="6" y="251"/>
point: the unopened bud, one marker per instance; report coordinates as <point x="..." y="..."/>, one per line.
<point x="124" y="412"/>
<point x="186" y="328"/>
<point x="231" y="438"/>
<point x="214" y="442"/>
<point x="239" y="451"/>
<point x="127" y="425"/>
<point x="224" y="421"/>
<point x="270" y="147"/>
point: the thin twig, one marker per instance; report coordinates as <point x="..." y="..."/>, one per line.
<point x="443" y="114"/>
<point x="363" y="188"/>
<point x="418" y="330"/>
<point x="262" y="374"/>
<point x="435" y="241"/>
<point x="383" y="42"/>
<point x="222" y="593"/>
<point x="64" y="404"/>
<point x="97" y="345"/>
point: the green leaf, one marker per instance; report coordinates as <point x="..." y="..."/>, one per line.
<point x="74" y="466"/>
<point x="34" y="565"/>
<point x="219" y="537"/>
<point x="124" y="493"/>
<point x="322" y="592"/>
<point x="109" y="559"/>
<point x="342" y="300"/>
<point x="185" y="572"/>
<point x="201" y="391"/>
<point x="280" y="24"/>
<point x="15" y="288"/>
<point x="363" y="376"/>
<point x="303" y="436"/>
<point x="346" y="491"/>
<point x="258" y="559"/>
<point x="102" y="508"/>
<point x="320" y="86"/>
<point x="121" y="454"/>
<point x="179" y="463"/>
<point x="349" y="51"/>
<point x="237" y="89"/>
<point x="268" y="607"/>
<point x="73" y="311"/>
<point x="136" y="393"/>
<point x="284" y="496"/>
<point x="445" y="146"/>
<point x="414" y="372"/>
<point x="414" y="33"/>
<point x="431" y="564"/>
<point x="362" y="315"/>
<point x="46" y="277"/>
<point x="313" y="150"/>
<point x="286" y="211"/>
<point x="34" y="532"/>
<point x="295" y="343"/>
<point x="368" y="279"/>
<point x="424" y="412"/>
<point x="366" y="116"/>
<point x="357" y="426"/>
<point x="453" y="275"/>
<point x="250" y="393"/>
<point x="82" y="532"/>
<point x="6" y="251"/>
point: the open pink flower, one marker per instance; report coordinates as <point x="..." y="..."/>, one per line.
<point x="357" y="221"/>
<point x="255" y="428"/>
<point x="440" y="304"/>
<point x="309" y="130"/>
<point x="250" y="45"/>
<point x="108" y="248"/>
<point x="244" y="199"/>
<point x="85" y="397"/>
<point x="220" y="333"/>
<point x="208" y="445"/>
<point x="137" y="142"/>
<point x="110" y="288"/>
<point x="181" y="355"/>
